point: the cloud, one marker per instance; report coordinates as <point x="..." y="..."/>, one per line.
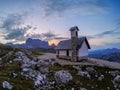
<point x="108" y="38"/>
<point x="33" y="35"/>
<point x="75" y="6"/>
<point x="61" y="38"/>
<point x="48" y="36"/>
<point x="51" y="36"/>
<point x="14" y="28"/>
<point x="110" y="32"/>
<point x="115" y="31"/>
<point x="12" y="21"/>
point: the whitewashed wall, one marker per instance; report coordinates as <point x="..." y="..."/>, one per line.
<point x="83" y="51"/>
<point x="62" y="52"/>
<point x="70" y="52"/>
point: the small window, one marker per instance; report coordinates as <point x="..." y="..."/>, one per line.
<point x="67" y="52"/>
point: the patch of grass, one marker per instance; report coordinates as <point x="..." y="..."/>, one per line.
<point x="36" y="53"/>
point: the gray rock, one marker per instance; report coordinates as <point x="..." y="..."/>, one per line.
<point x="83" y="89"/>
<point x="40" y="80"/>
<point x="7" y="85"/>
<point x="43" y="66"/>
<point x="44" y="70"/>
<point x="91" y="69"/>
<point x="116" y="82"/>
<point x="10" y="61"/>
<point x="25" y="70"/>
<point x="42" y="63"/>
<point x="19" y="54"/>
<point x="14" y="74"/>
<point x="84" y="74"/>
<point x="101" y="78"/>
<point x="62" y="77"/>
<point x="77" y="67"/>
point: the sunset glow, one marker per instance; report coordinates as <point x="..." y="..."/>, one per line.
<point x="53" y="42"/>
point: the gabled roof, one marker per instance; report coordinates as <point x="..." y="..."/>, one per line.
<point x="66" y="44"/>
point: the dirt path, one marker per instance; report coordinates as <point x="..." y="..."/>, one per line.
<point x="61" y="61"/>
<point x="91" y="61"/>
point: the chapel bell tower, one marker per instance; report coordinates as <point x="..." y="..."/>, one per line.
<point x="74" y="42"/>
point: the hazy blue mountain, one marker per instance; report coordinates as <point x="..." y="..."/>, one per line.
<point x="112" y="54"/>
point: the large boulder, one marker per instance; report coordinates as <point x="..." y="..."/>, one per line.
<point x="7" y="85"/>
<point x="62" y="77"/>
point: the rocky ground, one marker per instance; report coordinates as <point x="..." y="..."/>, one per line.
<point x="22" y="70"/>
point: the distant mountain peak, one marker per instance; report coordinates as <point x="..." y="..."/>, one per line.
<point x="33" y="43"/>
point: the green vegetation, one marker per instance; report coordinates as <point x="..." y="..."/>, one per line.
<point x="19" y="82"/>
<point x="89" y="84"/>
<point x="7" y="69"/>
<point x="23" y="83"/>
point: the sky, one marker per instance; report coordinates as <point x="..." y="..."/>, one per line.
<point x="50" y="20"/>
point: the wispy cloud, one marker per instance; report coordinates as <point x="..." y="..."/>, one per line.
<point x="110" y="32"/>
<point x="114" y="32"/>
<point x="50" y="36"/>
<point x="61" y="38"/>
<point x="76" y="6"/>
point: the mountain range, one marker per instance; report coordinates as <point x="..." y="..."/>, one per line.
<point x="112" y="54"/>
<point x="33" y="43"/>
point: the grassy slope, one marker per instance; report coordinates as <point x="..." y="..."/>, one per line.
<point x="19" y="82"/>
<point x="89" y="84"/>
<point x="23" y="83"/>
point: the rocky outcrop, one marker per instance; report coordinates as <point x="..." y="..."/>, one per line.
<point x="33" y="69"/>
<point x="62" y="77"/>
